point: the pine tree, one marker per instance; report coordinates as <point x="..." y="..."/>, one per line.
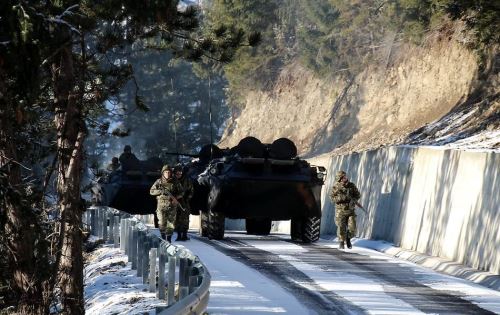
<point x="53" y="63"/>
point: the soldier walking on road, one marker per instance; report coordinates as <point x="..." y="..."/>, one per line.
<point x="167" y="191"/>
<point x="182" y="219"/>
<point x="345" y="195"/>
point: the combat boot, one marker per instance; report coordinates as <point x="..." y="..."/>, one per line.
<point x="341" y="245"/>
<point x="348" y="242"/>
<point x="185" y="236"/>
<point x="169" y="238"/>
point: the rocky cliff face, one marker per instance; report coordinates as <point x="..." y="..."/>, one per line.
<point x="382" y="105"/>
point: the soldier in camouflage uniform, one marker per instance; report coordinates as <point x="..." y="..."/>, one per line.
<point x="345" y="195"/>
<point x="167" y="191"/>
<point x="182" y="219"/>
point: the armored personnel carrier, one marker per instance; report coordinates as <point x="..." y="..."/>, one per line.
<point x="128" y="190"/>
<point x="254" y="181"/>
<point x="262" y="183"/>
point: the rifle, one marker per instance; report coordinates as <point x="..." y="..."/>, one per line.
<point x="361" y="207"/>
<point x="175" y="199"/>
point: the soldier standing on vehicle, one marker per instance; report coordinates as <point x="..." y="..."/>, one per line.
<point x="168" y="192"/>
<point x="114" y="165"/>
<point x="128" y="159"/>
<point x="182" y="219"/>
<point x="345" y="195"/>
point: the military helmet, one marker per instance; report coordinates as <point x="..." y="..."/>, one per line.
<point x="165" y="167"/>
<point x="127" y="148"/>
<point x="114" y="159"/>
<point x="339" y="175"/>
<point x="178" y="167"/>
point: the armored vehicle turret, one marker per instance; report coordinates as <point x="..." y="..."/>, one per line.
<point x="262" y="183"/>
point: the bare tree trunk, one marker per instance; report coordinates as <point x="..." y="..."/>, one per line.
<point x="26" y="255"/>
<point x="71" y="132"/>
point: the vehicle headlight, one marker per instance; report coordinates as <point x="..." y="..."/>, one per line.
<point x="320" y="175"/>
<point x="213" y="171"/>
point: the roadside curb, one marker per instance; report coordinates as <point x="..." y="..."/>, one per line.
<point x="441" y="265"/>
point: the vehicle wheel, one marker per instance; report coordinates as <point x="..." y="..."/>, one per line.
<point x="204" y="224"/>
<point x="216" y="225"/>
<point x="311" y="229"/>
<point x="250" y="226"/>
<point x="214" y="196"/>
<point x="305" y="230"/>
<point x="258" y="226"/>
<point x="295" y="229"/>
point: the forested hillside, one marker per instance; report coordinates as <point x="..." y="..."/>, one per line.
<point x="72" y="75"/>
<point x="353" y="75"/>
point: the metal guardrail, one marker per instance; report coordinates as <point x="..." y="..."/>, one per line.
<point x="155" y="260"/>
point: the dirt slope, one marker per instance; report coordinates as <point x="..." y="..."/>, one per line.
<point x="385" y="104"/>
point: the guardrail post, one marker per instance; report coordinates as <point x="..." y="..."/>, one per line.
<point x="133" y="249"/>
<point x="140" y="249"/>
<point x="116" y="234"/>
<point x="183" y="278"/>
<point x="145" y="261"/>
<point x="130" y="228"/>
<point x="104" y="225"/>
<point x="123" y="228"/>
<point x="111" y="234"/>
<point x="93" y="220"/>
<point x="152" y="269"/>
<point x="86" y="219"/>
<point x="193" y="283"/>
<point x="171" y="280"/>
<point x="162" y="259"/>
<point x="99" y="222"/>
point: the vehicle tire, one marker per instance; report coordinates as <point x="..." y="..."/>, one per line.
<point x="216" y="225"/>
<point x="251" y="226"/>
<point x="306" y="230"/>
<point x="258" y="226"/>
<point x="311" y="229"/>
<point x="204" y="224"/>
<point x="214" y="196"/>
<point x="295" y="229"/>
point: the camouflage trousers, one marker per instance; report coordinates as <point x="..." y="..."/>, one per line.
<point x="182" y="219"/>
<point x="345" y="219"/>
<point x="166" y="219"/>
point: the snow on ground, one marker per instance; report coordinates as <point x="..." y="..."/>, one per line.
<point x="238" y="289"/>
<point x="459" y="130"/>
<point x="475" y="293"/>
<point x="360" y="291"/>
<point x="111" y="287"/>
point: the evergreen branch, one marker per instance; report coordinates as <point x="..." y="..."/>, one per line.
<point x="57" y="51"/>
<point x="15" y="162"/>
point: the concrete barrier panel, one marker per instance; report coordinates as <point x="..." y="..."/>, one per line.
<point x="443" y="203"/>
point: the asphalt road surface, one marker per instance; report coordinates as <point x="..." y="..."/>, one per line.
<point x="326" y="280"/>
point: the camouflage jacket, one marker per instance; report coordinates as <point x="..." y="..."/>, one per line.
<point x="165" y="189"/>
<point x="345" y="195"/>
<point x="187" y="188"/>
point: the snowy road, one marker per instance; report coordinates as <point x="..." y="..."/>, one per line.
<point x="259" y="275"/>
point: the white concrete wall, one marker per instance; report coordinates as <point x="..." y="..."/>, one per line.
<point x="443" y="203"/>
